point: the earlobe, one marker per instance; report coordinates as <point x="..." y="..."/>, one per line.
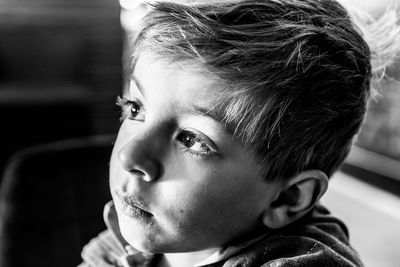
<point x="297" y="197"/>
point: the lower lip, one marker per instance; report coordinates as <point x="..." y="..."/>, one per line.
<point x="134" y="212"/>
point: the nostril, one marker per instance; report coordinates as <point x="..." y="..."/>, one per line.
<point x="138" y="174"/>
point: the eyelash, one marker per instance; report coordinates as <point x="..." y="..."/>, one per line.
<point x="209" y="151"/>
<point x="126" y="106"/>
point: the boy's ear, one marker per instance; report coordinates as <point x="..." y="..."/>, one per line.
<point x="297" y="196"/>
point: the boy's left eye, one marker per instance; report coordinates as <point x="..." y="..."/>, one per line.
<point x="195" y="143"/>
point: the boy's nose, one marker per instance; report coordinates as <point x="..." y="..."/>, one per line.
<point x="141" y="157"/>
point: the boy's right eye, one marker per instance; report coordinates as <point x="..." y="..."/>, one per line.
<point x="131" y="109"/>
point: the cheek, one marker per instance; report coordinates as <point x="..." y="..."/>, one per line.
<point x="113" y="165"/>
<point x="122" y="138"/>
<point x="189" y="217"/>
<point x="214" y="206"/>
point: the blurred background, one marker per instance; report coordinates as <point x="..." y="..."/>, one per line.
<point x="62" y="64"/>
<point x="60" y="70"/>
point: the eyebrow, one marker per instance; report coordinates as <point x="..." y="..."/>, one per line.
<point x="200" y="110"/>
<point x="137" y="83"/>
<point x="208" y="112"/>
<point x="214" y="115"/>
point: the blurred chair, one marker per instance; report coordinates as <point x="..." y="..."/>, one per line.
<point x="51" y="202"/>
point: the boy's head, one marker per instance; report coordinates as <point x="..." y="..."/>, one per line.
<point x="238" y="112"/>
<point x="296" y="73"/>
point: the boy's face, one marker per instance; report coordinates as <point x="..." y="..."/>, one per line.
<point x="178" y="179"/>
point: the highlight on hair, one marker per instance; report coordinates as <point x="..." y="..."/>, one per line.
<point x="382" y="34"/>
<point x="297" y="72"/>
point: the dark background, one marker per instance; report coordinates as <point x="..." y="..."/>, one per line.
<point x="60" y="70"/>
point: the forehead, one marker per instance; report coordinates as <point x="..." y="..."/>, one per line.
<point x="186" y="81"/>
<point x="185" y="71"/>
<point x="194" y="85"/>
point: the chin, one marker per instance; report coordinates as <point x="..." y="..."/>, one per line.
<point x="138" y="236"/>
<point x="148" y="238"/>
<point x="150" y="243"/>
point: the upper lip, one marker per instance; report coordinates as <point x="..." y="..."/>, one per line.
<point x="132" y="200"/>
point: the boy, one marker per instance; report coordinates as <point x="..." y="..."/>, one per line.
<point x="237" y="115"/>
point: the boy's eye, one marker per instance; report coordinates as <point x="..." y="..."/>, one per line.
<point x="131" y="109"/>
<point x="195" y="143"/>
<point x="135" y="109"/>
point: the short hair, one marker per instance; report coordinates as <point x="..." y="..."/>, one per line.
<point x="298" y="73"/>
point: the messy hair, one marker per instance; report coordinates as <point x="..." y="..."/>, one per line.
<point x="297" y="73"/>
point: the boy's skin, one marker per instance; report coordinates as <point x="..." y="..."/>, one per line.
<point x="199" y="194"/>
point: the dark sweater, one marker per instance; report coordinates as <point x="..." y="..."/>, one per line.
<point x="318" y="239"/>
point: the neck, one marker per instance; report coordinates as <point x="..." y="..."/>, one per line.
<point x="185" y="259"/>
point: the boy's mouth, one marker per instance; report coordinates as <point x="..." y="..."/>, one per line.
<point x="133" y="206"/>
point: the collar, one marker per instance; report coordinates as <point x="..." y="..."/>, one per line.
<point x="228" y="252"/>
